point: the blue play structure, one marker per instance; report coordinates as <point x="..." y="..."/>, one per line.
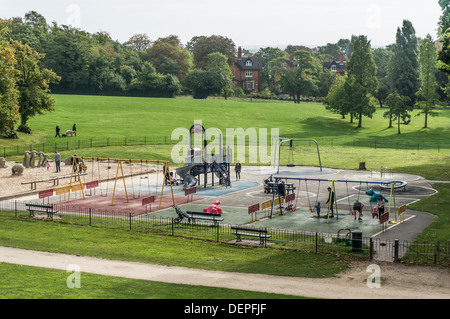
<point x="195" y="164"/>
<point x="374" y="196"/>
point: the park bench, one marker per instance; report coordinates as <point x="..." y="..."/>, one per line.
<point x="268" y="187"/>
<point x="252" y="232"/>
<point x="48" y="209"/>
<point x="193" y="216"/>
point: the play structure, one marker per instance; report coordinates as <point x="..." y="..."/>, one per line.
<point x="291" y="161"/>
<point x="116" y="168"/>
<point x="199" y="162"/>
<point x="331" y="204"/>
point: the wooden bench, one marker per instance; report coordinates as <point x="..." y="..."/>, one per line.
<point x="193" y="216"/>
<point x="252" y="232"/>
<point x="48" y="209"/>
<point x="268" y="188"/>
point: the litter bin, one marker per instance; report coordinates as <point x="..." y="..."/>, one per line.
<point x="356" y="241"/>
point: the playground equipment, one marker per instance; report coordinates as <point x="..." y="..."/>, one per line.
<point x="214" y="208"/>
<point x="198" y="162"/>
<point x="291" y="152"/>
<point x="332" y="186"/>
<point x="76" y="171"/>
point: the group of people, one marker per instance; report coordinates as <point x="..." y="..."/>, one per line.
<point x="357" y="206"/>
<point x="58" y="130"/>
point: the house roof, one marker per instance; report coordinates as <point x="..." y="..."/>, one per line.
<point x="256" y="63"/>
<point x="339" y="66"/>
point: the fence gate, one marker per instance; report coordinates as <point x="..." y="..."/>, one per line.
<point x="388" y="249"/>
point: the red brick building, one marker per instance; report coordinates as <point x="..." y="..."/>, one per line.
<point x="247" y="72"/>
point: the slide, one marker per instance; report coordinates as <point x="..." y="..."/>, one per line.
<point x="183" y="172"/>
<point x="221" y="172"/>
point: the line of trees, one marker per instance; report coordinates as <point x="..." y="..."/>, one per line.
<point x="402" y="76"/>
<point x="64" y="59"/>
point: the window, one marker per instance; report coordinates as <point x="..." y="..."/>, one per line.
<point x="248" y="63"/>
<point x="333" y="68"/>
<point x="248" y="73"/>
<point x="250" y="85"/>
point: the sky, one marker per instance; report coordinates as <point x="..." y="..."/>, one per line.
<point x="249" y="23"/>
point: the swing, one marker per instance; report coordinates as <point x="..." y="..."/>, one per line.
<point x="291" y="155"/>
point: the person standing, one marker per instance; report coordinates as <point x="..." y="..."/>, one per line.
<point x="380" y="206"/>
<point x="58" y="161"/>
<point x="74" y="129"/>
<point x="237" y="169"/>
<point x="330" y="201"/>
<point x="57" y="131"/>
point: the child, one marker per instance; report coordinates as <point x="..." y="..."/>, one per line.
<point x="357" y="207"/>
<point x="318" y="209"/>
<point x="48" y="165"/>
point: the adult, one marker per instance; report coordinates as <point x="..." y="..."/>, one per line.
<point x="58" y="161"/>
<point x="357" y="207"/>
<point x="57" y="131"/>
<point x="74" y="129"/>
<point x="237" y="169"/>
<point x="75" y="163"/>
<point x="330" y="201"/>
<point x="281" y="189"/>
<point x="380" y="206"/>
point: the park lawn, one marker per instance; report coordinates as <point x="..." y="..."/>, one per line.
<point x="164" y="250"/>
<point x="114" y="117"/>
<point x="26" y="282"/>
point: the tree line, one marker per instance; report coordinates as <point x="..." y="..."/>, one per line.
<point x="64" y="59"/>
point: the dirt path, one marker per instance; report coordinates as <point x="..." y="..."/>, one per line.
<point x="398" y="281"/>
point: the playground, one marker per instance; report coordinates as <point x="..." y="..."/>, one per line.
<point x="141" y="188"/>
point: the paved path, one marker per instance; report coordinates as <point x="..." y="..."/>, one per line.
<point x="347" y="286"/>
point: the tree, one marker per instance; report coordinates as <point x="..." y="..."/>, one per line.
<point x="168" y="56"/>
<point x="405" y="64"/>
<point x="9" y="107"/>
<point x="215" y="43"/>
<point x="139" y="42"/>
<point x="302" y="78"/>
<point x="218" y="65"/>
<point x="398" y="107"/>
<point x="337" y="101"/>
<point x="362" y="82"/>
<point x="267" y="75"/>
<point x="428" y="93"/>
<point x="32" y="83"/>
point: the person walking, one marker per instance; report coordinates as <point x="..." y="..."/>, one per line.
<point x="237" y="169"/>
<point x="58" y="161"/>
<point x="57" y="131"/>
<point x="74" y="129"/>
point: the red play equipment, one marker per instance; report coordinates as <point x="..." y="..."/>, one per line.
<point x="214" y="208"/>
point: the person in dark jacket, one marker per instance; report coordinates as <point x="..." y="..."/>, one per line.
<point x="74" y="129"/>
<point x="57" y="131"/>
<point x="330" y="201"/>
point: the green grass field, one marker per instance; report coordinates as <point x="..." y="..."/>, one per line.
<point x="424" y="152"/>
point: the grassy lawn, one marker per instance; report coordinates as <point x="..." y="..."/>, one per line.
<point x="163" y="250"/>
<point x="24" y="282"/>
<point x="341" y="146"/>
<point x="110" y="117"/>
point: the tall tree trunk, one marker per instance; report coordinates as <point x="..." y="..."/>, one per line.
<point x="426" y="120"/>
<point x="398" y="124"/>
<point x="359" y="121"/>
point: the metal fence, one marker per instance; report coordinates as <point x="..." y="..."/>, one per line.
<point x="66" y="144"/>
<point x="315" y="242"/>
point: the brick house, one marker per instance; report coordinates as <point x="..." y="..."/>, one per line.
<point x="247" y="72"/>
<point x="336" y="66"/>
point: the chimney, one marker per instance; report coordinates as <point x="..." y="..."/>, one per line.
<point x="239" y="52"/>
<point x="342" y="58"/>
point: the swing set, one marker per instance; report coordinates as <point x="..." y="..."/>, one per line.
<point x="78" y="164"/>
<point x="332" y="199"/>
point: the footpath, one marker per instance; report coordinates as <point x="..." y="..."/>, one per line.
<point x="398" y="281"/>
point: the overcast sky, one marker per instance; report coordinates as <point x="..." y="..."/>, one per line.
<point x="247" y="22"/>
